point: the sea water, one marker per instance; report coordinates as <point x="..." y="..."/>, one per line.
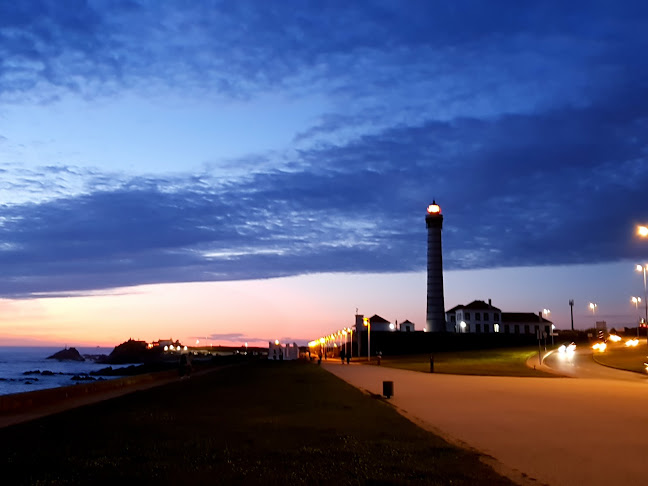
<point x="16" y="361"/>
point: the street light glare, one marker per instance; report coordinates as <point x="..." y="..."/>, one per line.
<point x="642" y="231"/>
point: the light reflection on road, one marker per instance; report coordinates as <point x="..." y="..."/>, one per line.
<point x="582" y="365"/>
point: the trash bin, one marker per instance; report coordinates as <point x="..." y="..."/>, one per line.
<point x="431" y="364"/>
<point x="388" y="388"/>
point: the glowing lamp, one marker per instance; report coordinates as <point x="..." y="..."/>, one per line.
<point x="277" y="342"/>
<point x="434" y="208"/>
<point x="642" y="231"/>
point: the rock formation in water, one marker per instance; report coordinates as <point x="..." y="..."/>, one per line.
<point x="67" y="354"/>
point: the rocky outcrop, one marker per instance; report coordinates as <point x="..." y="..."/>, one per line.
<point x="133" y="351"/>
<point x="67" y="354"/>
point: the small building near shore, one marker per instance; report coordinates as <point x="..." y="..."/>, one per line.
<point x="282" y="352"/>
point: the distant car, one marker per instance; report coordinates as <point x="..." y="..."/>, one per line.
<point x="567" y="349"/>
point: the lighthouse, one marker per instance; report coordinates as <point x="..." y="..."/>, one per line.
<point x="435" y="316"/>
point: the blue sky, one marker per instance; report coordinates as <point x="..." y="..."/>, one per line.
<point x="147" y="143"/>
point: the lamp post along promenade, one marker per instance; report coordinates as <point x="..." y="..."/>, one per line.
<point x="643" y="268"/>
<point x="367" y="322"/>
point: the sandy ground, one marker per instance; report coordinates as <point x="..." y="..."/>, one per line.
<point x="556" y="431"/>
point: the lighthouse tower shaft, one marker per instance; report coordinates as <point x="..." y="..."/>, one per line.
<point x="435" y="316"/>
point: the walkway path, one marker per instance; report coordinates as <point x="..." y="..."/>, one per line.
<point x="558" y="431"/>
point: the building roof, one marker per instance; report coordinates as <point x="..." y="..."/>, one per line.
<point x="376" y="319"/>
<point x="406" y="321"/>
<point x="455" y="308"/>
<point x="475" y="304"/>
<point x="529" y="317"/>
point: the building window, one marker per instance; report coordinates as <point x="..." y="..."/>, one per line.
<point x="477" y="316"/>
<point x="459" y="315"/>
<point x="495" y="327"/>
<point x="547" y="330"/>
<point x="526" y="329"/>
<point x="453" y="319"/>
<point x="467" y="314"/>
<point x="485" y="316"/>
<point x="486" y="328"/>
<point x="495" y="316"/>
<point x="506" y="329"/>
<point x="517" y="329"/>
<point x="477" y="327"/>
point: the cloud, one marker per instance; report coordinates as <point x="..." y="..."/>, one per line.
<point x="243" y="338"/>
<point x="528" y="128"/>
<point x="558" y="188"/>
<point x="377" y="52"/>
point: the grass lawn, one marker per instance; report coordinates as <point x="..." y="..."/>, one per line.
<point x="619" y="356"/>
<point x="493" y="362"/>
<point x="261" y="423"/>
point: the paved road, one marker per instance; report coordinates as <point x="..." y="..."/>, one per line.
<point x="582" y="365"/>
<point x="557" y="431"/>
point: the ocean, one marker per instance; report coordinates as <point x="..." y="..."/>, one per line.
<point x="15" y="362"/>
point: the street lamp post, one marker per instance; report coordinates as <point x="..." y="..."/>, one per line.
<point x="593" y="307"/>
<point x="636" y="301"/>
<point x="547" y="313"/>
<point x="367" y="323"/>
<point x="643" y="268"/>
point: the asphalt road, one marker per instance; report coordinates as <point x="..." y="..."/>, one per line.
<point x="555" y="431"/>
<point x="582" y="365"/>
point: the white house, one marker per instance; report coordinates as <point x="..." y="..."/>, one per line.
<point x="280" y="352"/>
<point x="482" y="317"/>
<point x="377" y="324"/>
<point x="406" y="326"/>
<point x="478" y="316"/>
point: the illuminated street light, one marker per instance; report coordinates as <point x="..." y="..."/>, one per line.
<point x="593" y="307"/>
<point x="350" y="330"/>
<point x="367" y="324"/>
<point x="643" y="268"/>
<point x="636" y="301"/>
<point x="547" y="313"/>
<point x="642" y="231"/>
<point x="462" y="324"/>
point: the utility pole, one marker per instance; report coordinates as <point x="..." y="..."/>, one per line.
<point x="571" y="305"/>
